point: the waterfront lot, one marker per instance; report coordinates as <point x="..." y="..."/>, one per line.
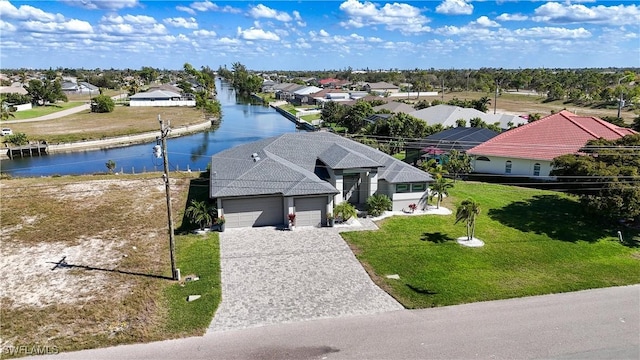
<point x="112" y="233"/>
<point x="536" y="242"/>
<point x="124" y="120"/>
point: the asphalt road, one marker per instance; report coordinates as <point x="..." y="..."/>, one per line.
<point x="593" y="324"/>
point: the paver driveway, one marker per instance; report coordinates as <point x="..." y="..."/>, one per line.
<point x="273" y="276"/>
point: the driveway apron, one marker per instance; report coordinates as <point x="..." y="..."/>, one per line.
<point x="272" y="276"/>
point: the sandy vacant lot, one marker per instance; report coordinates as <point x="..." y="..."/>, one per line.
<point x="112" y="233"/>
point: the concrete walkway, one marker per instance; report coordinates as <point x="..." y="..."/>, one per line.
<point x="272" y="276"/>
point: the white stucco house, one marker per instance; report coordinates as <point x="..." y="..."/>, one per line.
<point x="160" y="98"/>
<point x="307" y="174"/>
<point x="528" y="150"/>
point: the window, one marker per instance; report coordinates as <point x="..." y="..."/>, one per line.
<point x="482" y="158"/>
<point x="418" y="187"/>
<point x="507" y="167"/>
<point x="402" y="188"/>
<point x="536" y="169"/>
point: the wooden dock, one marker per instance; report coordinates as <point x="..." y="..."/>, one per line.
<point x="32" y="149"/>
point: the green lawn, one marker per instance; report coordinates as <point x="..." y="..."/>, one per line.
<point x="45" y="110"/>
<point x="536" y="242"/>
<point x="195" y="255"/>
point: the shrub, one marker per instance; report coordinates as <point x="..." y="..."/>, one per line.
<point x="102" y="104"/>
<point x="18" y="139"/>
<point x="345" y="211"/>
<point x="378" y="203"/>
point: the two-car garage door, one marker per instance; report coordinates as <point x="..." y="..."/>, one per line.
<point x="248" y="212"/>
<point x="269" y="211"/>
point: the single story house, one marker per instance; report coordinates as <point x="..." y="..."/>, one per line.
<point x="443" y="142"/>
<point x="381" y="88"/>
<point x="447" y="115"/>
<point x="529" y="149"/>
<point x="396" y="107"/>
<point x="306" y="174"/>
<point x="160" y="98"/>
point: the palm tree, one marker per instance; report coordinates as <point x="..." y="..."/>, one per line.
<point x="6" y="111"/>
<point x="441" y="187"/>
<point x="201" y="213"/>
<point x="468" y="210"/>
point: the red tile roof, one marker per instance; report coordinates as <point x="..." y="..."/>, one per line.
<point x="557" y="134"/>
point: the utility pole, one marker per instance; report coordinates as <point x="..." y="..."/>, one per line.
<point x="164" y="132"/>
<point x="495" y="99"/>
<point x="620" y="100"/>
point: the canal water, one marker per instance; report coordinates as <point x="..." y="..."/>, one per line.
<point x="241" y="122"/>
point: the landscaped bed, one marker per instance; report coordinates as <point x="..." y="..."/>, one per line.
<point x="536" y="242"/>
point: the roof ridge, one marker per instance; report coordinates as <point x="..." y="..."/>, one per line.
<point x="570" y="118"/>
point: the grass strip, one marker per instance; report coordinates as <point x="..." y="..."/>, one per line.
<point x="195" y="255"/>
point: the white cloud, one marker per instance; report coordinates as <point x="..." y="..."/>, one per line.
<point x="186" y="9"/>
<point x="26" y="12"/>
<point x="209" y="6"/>
<point x="73" y="26"/>
<point x="575" y="13"/>
<point x="261" y="11"/>
<point x="455" y="7"/>
<point x="204" y="6"/>
<point x="512" y="17"/>
<point x="205" y="33"/>
<point x="6" y="27"/>
<point x="401" y="17"/>
<point x="139" y="19"/>
<point x="181" y="22"/>
<point x="102" y="4"/>
<point x="553" y="33"/>
<point x="484" y="21"/>
<point x="257" y="34"/>
<point x="323" y="33"/>
<point x="131" y="24"/>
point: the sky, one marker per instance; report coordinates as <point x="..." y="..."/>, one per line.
<point x="319" y="35"/>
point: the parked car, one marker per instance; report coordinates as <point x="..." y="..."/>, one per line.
<point x="7" y="131"/>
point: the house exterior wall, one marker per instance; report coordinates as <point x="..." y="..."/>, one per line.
<point x="519" y="167"/>
<point x="402" y="200"/>
<point x="162" y="103"/>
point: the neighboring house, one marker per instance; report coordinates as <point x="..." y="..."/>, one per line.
<point x="284" y="91"/>
<point x="160" y="98"/>
<point x="435" y="145"/>
<point x="396" y="107"/>
<point x="307" y="173"/>
<point x="381" y="88"/>
<point x="305" y="95"/>
<point x="529" y="149"/>
<point x="267" y="86"/>
<point x="447" y="115"/>
<point x="374" y="118"/>
<point x="86" y="88"/>
<point x="13" y="89"/>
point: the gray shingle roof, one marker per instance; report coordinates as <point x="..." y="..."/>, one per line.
<point x="288" y="162"/>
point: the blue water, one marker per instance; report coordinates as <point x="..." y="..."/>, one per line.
<point x="241" y="123"/>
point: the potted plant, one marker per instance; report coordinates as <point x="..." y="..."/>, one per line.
<point x="413" y="207"/>
<point x="330" y="220"/>
<point x="292" y="221"/>
<point x="219" y="223"/>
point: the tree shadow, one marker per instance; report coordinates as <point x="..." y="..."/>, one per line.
<point x="436" y="237"/>
<point x="62" y="264"/>
<point x="557" y="217"/>
<point x="421" y="291"/>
